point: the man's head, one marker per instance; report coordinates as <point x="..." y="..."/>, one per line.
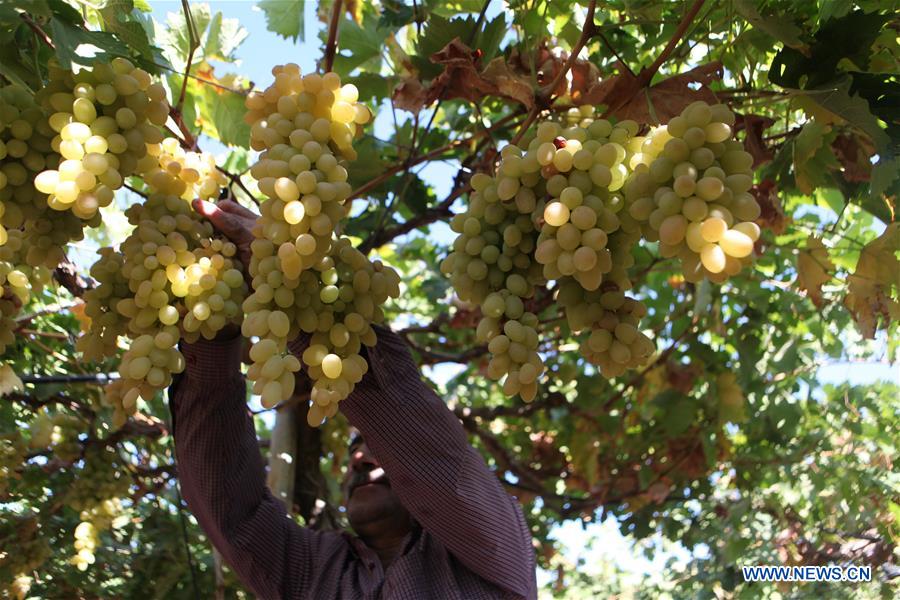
<point x="372" y="506"/>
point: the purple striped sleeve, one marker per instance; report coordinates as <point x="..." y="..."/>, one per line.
<point x="223" y="478"/>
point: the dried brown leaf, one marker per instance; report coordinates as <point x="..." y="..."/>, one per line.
<point x="627" y="98"/>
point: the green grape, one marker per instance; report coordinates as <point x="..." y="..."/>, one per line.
<point x="303" y="279"/>
<point x="104" y="124"/>
<point x="339" y="324"/>
<point x="170" y="280"/>
<point x="711" y="173"/>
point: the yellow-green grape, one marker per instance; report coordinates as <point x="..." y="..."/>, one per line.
<point x="100" y="477"/>
<point x="170" y="280"/>
<point x="25" y="151"/>
<point x="514" y="355"/>
<point x="13" y="450"/>
<point x="691" y="193"/>
<point x="94" y="520"/>
<point x="169" y="169"/>
<point x="336" y="301"/>
<point x="492" y="262"/>
<point x="584" y="202"/>
<point x="104" y="117"/>
<point x="16" y="276"/>
<point x="305" y="126"/>
<point x="86" y="540"/>
<point x="64" y="436"/>
<point x="106" y="324"/>
<point x="611" y="320"/>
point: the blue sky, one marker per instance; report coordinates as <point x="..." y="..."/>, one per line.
<point x="598" y="541"/>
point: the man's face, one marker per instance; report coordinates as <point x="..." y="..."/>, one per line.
<point x="368" y="492"/>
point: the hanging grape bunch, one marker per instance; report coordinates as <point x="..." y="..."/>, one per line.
<point x="171" y="280"/>
<point x="304" y="279"/>
<point x="104" y="117"/>
<point x="690" y="191"/>
<point x="566" y="212"/>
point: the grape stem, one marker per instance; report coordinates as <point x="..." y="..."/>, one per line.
<point x="331" y="44"/>
<point x="544" y="97"/>
<point x="37" y="30"/>
<point x="194" y="44"/>
<point x="647" y="74"/>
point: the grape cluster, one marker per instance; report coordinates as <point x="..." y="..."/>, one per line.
<point x="171" y="280"/>
<point x="22" y="550"/>
<point x="16" y="275"/>
<point x="104" y="117"/>
<point x="305" y="280"/>
<point x="12" y="456"/>
<point x="492" y="265"/>
<point x="64" y="438"/>
<point x="553" y="212"/>
<point x="336" y="301"/>
<point x="18" y="281"/>
<point x="87" y="534"/>
<point x="31" y="237"/>
<point x="169" y="169"/>
<point x="25" y="150"/>
<point x="690" y="191"/>
<point x="305" y="126"/>
<point x="99" y="479"/>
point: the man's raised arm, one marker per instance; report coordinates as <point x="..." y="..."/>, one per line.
<point x="438" y="476"/>
<point x="223" y="479"/>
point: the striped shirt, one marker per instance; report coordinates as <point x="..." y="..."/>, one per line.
<point x="473" y="542"/>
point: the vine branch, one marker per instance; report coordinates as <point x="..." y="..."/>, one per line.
<point x="331" y="45"/>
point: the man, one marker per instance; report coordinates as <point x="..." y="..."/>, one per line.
<point x="431" y="520"/>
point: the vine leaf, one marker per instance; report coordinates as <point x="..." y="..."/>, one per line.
<point x="624" y="97"/>
<point x="814" y="269"/>
<point x="462" y="79"/>
<point x="70" y="39"/>
<point x="872" y="288"/>
<point x="777" y="27"/>
<point x="115" y="15"/>
<point x="284" y="17"/>
<point x="813" y="156"/>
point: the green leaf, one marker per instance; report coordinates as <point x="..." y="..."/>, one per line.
<point x="115" y="15"/>
<point x="835" y="97"/>
<point x="489" y="39"/>
<point x="848" y="38"/>
<point x="69" y="41"/>
<point x="777" y="26"/>
<point x="285" y="17"/>
<point x="833" y="9"/>
<point x="812" y="156"/>
<point x="221" y="114"/>
<point x="359" y="44"/>
<point x="395" y="14"/>
<point x="884" y="173"/>
<point x="223" y="38"/>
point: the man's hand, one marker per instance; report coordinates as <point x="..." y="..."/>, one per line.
<point x="233" y="221"/>
<point x="236" y="223"/>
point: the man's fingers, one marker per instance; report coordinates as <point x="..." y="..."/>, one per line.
<point x="225" y="222"/>
<point x="230" y="206"/>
